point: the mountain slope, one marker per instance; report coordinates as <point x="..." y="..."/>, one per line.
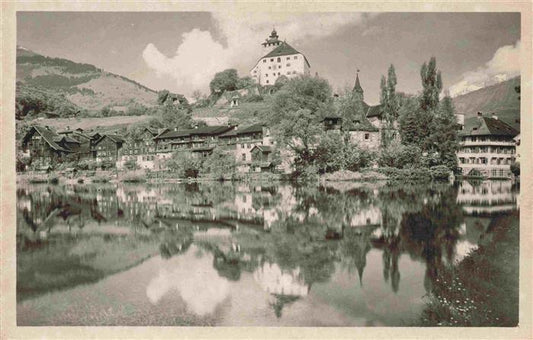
<point x="500" y="99"/>
<point x="82" y="85"/>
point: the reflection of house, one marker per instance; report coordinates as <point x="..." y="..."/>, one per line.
<point x="369" y="216"/>
<point x="487" y="148"/>
<point x="486" y="197"/>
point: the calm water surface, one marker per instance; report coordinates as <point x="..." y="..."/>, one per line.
<point x="244" y="255"/>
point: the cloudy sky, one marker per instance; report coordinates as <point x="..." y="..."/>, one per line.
<point x="182" y="51"/>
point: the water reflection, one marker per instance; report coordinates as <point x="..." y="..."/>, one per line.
<point x="289" y="245"/>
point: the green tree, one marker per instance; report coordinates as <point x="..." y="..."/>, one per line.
<point x="185" y="164"/>
<point x="302" y="93"/>
<point x="219" y="164"/>
<point x="415" y="123"/>
<point x="431" y="84"/>
<point x="443" y="137"/>
<point x="226" y="80"/>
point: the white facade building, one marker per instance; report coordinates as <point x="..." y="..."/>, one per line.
<point x="281" y="60"/>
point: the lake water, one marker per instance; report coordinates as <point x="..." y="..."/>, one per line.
<point x="221" y="254"/>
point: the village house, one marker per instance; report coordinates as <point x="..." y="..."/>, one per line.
<point x="487" y="148"/>
<point x="281" y="60"/>
<point x="106" y="149"/>
<point x="261" y="158"/>
<point x="201" y="141"/>
<point x="140" y="149"/>
<point x="46" y="148"/>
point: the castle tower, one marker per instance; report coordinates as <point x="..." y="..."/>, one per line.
<point x="272" y="41"/>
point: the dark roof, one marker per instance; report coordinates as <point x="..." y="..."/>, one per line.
<point x="284" y="49"/>
<point x="114" y="138"/>
<point x="68" y="139"/>
<point x="374" y="111"/>
<point x="251" y="129"/>
<point x="363" y="125"/>
<point x="205" y="130"/>
<point x="49" y="136"/>
<point x="264" y="148"/>
<point x="483" y="126"/>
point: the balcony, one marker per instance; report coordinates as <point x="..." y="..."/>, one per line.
<point x="487" y="143"/>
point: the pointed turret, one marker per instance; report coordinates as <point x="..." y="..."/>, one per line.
<point x="357" y="87"/>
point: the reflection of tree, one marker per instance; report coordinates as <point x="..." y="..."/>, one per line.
<point x="354" y="248"/>
<point x="432" y="234"/>
<point x="279" y="301"/>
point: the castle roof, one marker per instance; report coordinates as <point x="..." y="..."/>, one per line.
<point x="284" y="49"/>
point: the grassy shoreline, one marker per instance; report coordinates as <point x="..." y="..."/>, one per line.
<point x="482" y="290"/>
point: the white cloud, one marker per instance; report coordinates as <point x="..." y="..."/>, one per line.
<point x="504" y="64"/>
<point x="200" y="56"/>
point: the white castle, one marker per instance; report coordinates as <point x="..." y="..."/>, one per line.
<point x="280" y="59"/>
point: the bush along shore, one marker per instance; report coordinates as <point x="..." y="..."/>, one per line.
<point x="141" y="176"/>
<point x="483" y="289"/>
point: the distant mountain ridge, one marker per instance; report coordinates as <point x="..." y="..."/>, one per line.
<point x="500" y="99"/>
<point x="83" y="86"/>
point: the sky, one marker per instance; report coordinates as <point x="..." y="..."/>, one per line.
<point x="181" y="51"/>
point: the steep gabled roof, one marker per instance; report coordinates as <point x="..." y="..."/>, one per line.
<point x="263" y="148"/>
<point x="49" y="137"/>
<point x="486" y="126"/>
<point x="375" y="111"/>
<point x="284" y="49"/>
<point x="114" y="138"/>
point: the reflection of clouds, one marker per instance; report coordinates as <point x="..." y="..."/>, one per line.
<point x="275" y="281"/>
<point x="195" y="279"/>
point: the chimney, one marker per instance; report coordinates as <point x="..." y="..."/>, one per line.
<point x="175" y="129"/>
<point x="494" y="116"/>
<point x="68" y="128"/>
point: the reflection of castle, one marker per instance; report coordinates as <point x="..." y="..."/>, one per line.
<point x="487" y="197"/>
<point x="284" y="286"/>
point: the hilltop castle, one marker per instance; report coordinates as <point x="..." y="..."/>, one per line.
<point x="280" y="59"/>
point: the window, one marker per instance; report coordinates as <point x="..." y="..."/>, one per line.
<point x="288" y="64"/>
<point x="295" y="57"/>
<point x="243" y="156"/>
<point x="293" y="72"/>
<point x="279" y="60"/>
<point x="267" y="74"/>
<point x="264" y="60"/>
<point x="367" y="136"/>
<point x="270" y="67"/>
<point x="279" y="73"/>
<point x="267" y="81"/>
<point x="288" y="58"/>
<point x="272" y="59"/>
